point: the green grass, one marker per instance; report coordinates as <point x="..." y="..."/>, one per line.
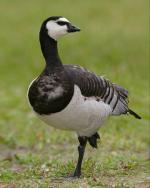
<point x="114" y="43"/>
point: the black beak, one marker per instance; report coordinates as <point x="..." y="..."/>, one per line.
<point x="72" y="28"/>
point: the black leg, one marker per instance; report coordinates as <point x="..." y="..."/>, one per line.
<point x="81" y="149"/>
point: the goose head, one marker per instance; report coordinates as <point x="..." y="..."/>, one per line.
<point x="57" y="26"/>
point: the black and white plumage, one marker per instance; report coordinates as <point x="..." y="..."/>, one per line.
<point x="70" y="97"/>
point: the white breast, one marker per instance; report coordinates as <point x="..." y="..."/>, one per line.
<point x="82" y="116"/>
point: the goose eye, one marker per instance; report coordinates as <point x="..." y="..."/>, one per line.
<point x="61" y="23"/>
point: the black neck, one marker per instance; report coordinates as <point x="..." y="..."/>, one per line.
<point x="49" y="50"/>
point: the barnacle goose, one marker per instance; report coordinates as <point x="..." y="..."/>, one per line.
<point x="70" y="97"/>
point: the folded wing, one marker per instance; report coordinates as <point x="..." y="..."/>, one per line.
<point x="102" y="89"/>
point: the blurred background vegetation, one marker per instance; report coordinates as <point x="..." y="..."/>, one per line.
<point x="114" y="42"/>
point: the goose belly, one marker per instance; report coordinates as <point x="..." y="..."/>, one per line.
<point x="83" y="115"/>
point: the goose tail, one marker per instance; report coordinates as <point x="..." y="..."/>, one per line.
<point x="134" y="114"/>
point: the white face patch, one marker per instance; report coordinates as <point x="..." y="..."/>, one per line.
<point x="55" y="30"/>
<point x="63" y="19"/>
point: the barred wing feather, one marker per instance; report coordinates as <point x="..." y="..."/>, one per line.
<point x="102" y="89"/>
